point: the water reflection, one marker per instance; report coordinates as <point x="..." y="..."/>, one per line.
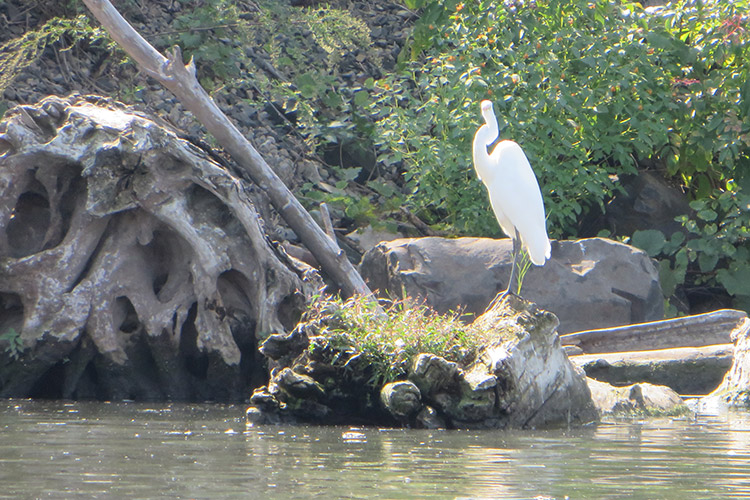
<point x="98" y="450"/>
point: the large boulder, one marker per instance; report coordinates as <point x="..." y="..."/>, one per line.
<point x="134" y="263"/>
<point x="647" y="201"/>
<point x="590" y="283"/>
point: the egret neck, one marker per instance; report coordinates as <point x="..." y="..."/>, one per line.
<point x="485" y="136"/>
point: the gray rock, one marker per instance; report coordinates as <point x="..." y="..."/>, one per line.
<point x="368" y="237"/>
<point x="433" y="374"/>
<point x="588" y="284"/>
<point x="298" y="385"/>
<point x="478" y="397"/>
<point x="638" y="399"/>
<point x="649" y="202"/>
<point x="280" y="345"/>
<point x="402" y="399"/>
<point x="429" y="418"/>
<point x="687" y="370"/>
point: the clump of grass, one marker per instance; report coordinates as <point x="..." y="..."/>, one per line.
<point x="390" y="338"/>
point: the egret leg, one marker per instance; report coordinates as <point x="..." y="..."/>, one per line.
<point x="516" y="249"/>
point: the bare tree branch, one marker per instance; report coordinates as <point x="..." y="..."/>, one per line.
<point x="180" y="79"/>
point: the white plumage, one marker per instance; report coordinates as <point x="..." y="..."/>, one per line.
<point x="513" y="188"/>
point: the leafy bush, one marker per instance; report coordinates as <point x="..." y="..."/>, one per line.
<point x="709" y="151"/>
<point x="204" y="32"/>
<point x="13" y="343"/>
<point x="590" y="90"/>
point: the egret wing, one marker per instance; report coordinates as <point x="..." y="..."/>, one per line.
<point x="514" y="192"/>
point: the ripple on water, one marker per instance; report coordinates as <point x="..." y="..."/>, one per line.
<point x="99" y="450"/>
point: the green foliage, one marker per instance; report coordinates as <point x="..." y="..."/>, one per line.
<point x="390" y="341"/>
<point x="204" y="32"/>
<point x="433" y="13"/>
<point x="325" y="112"/>
<point x="14" y="344"/>
<point x="19" y="53"/>
<point x="716" y="253"/>
<point x="588" y="89"/>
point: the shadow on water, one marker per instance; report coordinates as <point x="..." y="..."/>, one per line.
<point x="134" y="450"/>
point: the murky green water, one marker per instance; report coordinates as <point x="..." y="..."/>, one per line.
<point x="129" y="450"/>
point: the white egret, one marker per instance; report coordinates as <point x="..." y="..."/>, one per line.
<point x="514" y="192"/>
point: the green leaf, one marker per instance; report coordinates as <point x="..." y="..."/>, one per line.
<point x="707" y="215"/>
<point x="350" y="174"/>
<point x="745" y="98"/>
<point x="698" y="204"/>
<point x="652" y="241"/>
<point x="307" y="85"/>
<point x="707" y="262"/>
<point x="362" y="98"/>
<point x="736" y="282"/>
<point x="674" y="243"/>
<point x="332" y="100"/>
<point x="668" y="278"/>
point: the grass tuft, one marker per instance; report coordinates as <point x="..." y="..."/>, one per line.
<point x="389" y="341"/>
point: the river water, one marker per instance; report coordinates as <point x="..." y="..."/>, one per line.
<point x="51" y="449"/>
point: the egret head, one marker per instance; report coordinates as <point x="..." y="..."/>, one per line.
<point x="487" y="112"/>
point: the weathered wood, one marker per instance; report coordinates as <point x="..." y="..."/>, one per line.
<point x="690" y="331"/>
<point x="180" y="79"/>
<point x="520" y="378"/>
<point x="735" y="388"/>
<point x="325" y="219"/>
<point x="133" y="266"/>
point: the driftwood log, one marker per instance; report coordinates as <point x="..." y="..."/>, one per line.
<point x="132" y="265"/>
<point x="690" y="331"/>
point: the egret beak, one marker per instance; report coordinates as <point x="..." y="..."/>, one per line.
<point x="487" y="112"/>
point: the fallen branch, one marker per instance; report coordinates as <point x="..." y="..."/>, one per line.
<point x="689" y="331"/>
<point x="180" y="79"/>
<point x="325" y="218"/>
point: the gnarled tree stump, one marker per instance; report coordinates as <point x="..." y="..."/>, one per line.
<point x="132" y="265"/>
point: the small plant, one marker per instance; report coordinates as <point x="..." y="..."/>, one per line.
<point x="390" y="340"/>
<point x="204" y="31"/>
<point x="14" y="347"/>
<point x="19" y="53"/>
<point x="523" y="268"/>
